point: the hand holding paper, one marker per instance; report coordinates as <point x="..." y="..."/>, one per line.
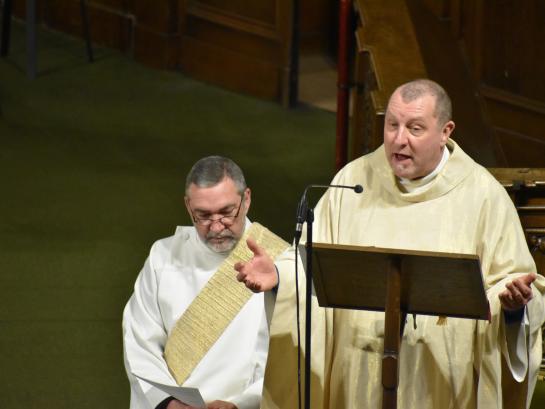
<point x="190" y="396"/>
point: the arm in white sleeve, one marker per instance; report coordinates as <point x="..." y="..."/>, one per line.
<point x="144" y="338"/>
<point x="516" y="337"/>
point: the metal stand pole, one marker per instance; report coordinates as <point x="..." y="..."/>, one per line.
<point x="31" y="38"/>
<point x="308" y="306"/>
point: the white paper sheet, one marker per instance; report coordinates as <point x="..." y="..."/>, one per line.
<point x="189" y="396"/>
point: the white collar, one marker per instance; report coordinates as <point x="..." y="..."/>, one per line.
<point x="411" y="186"/>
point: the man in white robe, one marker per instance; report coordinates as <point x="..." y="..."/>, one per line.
<point x="421" y="192"/>
<point x="230" y="375"/>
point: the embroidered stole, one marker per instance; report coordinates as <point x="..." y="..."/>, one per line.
<point x="215" y="306"/>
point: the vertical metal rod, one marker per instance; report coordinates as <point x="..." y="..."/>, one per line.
<point x="308" y="304"/>
<point x="6" y="28"/>
<point x="31" y="38"/>
<point x="85" y="27"/>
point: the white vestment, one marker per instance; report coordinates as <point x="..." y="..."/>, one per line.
<point x="176" y="270"/>
<point x="464" y="364"/>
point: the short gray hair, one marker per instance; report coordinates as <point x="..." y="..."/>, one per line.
<point x="420" y="87"/>
<point x="211" y="170"/>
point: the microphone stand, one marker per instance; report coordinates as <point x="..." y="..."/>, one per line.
<point x="302" y="210"/>
<point x="308" y="305"/>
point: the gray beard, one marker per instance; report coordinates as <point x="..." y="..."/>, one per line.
<point x="225" y="247"/>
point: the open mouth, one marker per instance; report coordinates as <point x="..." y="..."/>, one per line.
<point x="399" y="157"/>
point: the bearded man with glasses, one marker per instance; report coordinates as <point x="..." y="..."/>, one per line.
<point x="190" y="323"/>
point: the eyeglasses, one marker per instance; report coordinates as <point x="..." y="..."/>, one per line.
<point x="226" y="220"/>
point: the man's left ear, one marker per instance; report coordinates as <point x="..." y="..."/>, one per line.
<point x="446" y="131"/>
<point x="247" y="197"/>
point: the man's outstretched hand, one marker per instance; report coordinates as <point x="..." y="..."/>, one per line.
<point x="258" y="274"/>
<point x="517" y="293"/>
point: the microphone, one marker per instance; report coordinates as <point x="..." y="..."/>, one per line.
<point x="303" y="206"/>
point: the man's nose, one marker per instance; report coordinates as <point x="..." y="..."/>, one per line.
<point x="401" y="136"/>
<point x="217" y="226"/>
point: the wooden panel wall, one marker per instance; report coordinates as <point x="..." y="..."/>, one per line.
<point x="504" y="42"/>
<point x="240" y="45"/>
<point x="513" y="32"/>
<point x="519" y="124"/>
<point x="156" y="32"/>
<point x="318" y="26"/>
<point x="512" y="75"/>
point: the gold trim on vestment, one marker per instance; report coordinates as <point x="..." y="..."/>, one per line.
<point x="215" y="306"/>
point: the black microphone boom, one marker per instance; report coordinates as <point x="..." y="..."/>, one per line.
<point x="303" y="206"/>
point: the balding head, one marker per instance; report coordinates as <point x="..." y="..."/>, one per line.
<point x="418" y="88"/>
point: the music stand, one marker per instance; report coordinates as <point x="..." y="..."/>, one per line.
<point x="397" y="282"/>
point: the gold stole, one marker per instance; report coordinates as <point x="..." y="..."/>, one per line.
<point x="215" y="306"/>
